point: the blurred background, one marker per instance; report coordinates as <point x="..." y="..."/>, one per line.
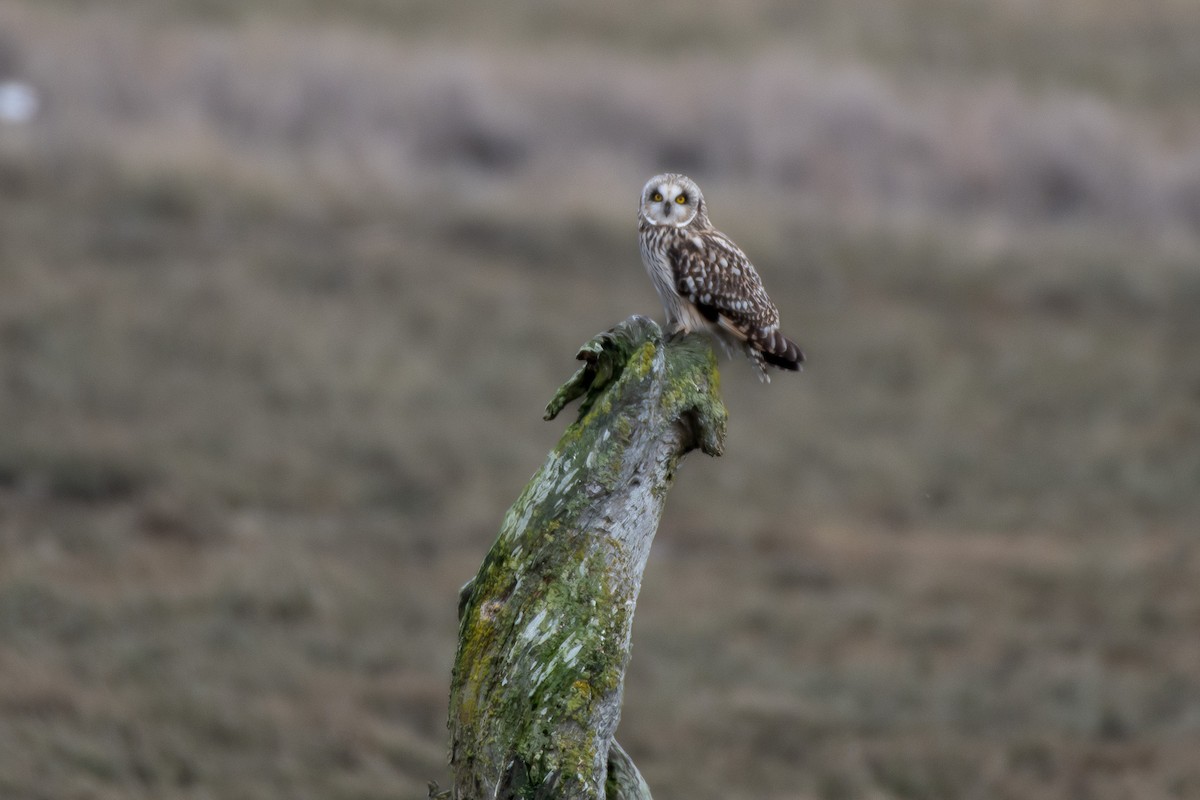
<point x="284" y="288"/>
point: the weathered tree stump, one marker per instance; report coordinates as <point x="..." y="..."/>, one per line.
<point x="544" y="627"/>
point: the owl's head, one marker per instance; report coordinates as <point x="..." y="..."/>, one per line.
<point x="672" y="199"/>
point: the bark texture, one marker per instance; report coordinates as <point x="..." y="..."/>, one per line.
<point x="544" y="628"/>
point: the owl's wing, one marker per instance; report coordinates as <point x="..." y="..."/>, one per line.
<point x="716" y="277"/>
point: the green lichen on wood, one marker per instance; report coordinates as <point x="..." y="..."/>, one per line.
<point x="545" y="625"/>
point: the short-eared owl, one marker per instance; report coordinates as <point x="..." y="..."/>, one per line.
<point x="704" y="280"/>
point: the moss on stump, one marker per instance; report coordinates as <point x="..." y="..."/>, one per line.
<point x="544" y="630"/>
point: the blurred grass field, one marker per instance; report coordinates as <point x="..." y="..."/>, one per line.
<point x="285" y="287"/>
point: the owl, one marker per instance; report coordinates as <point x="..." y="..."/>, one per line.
<point x="704" y="280"/>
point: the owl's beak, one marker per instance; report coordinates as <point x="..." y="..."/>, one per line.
<point x="667" y="209"/>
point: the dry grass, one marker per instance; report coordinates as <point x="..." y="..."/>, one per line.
<point x="281" y="302"/>
<point x="1140" y="54"/>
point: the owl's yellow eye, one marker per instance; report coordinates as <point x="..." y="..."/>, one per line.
<point x="656" y="197"/>
<point x="681" y="199"/>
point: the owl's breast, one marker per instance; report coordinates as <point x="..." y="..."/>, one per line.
<point x="656" y="241"/>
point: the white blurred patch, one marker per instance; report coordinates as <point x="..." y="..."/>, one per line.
<point x="18" y="102"/>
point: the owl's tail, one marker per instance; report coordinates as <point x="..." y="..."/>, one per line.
<point x="780" y="351"/>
